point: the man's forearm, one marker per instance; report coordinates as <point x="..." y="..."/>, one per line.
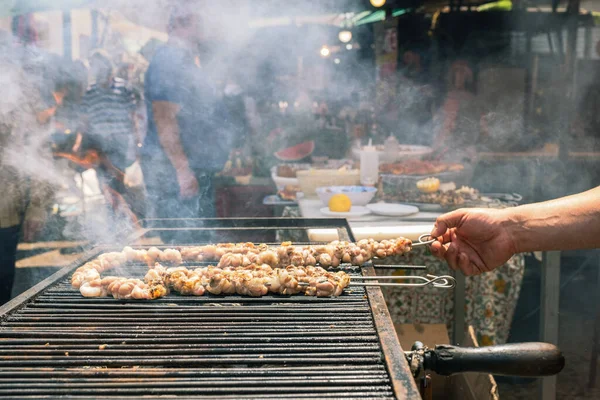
<point x="171" y="143"/>
<point x="168" y="134"/>
<point x="568" y="223"/>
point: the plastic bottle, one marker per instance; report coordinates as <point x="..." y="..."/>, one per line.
<point x="369" y="165"/>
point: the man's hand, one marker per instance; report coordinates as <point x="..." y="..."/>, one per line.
<point x="188" y="184"/>
<point x="473" y="240"/>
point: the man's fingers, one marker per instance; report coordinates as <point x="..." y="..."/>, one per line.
<point x="467" y="266"/>
<point x="451" y="256"/>
<point x="463" y="262"/>
<point x="447" y="221"/>
<point x="469" y="261"/>
<point x="438" y="249"/>
<point x="447" y="236"/>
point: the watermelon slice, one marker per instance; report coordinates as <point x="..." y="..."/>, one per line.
<point x="297" y="152"/>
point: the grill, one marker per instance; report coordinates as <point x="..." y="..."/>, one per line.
<point x="53" y="342"/>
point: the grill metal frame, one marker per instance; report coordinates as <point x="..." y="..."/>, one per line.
<point x="394" y="366"/>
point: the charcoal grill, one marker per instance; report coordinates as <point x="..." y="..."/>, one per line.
<point x="55" y="343"/>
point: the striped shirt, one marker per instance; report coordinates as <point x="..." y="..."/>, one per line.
<point x="109" y="114"/>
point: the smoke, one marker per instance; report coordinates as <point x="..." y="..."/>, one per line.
<point x="268" y="52"/>
<point x="252" y="49"/>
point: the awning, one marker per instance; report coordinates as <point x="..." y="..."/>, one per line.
<point x="379" y="15"/>
<point x="11" y="8"/>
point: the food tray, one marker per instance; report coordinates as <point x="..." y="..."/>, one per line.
<point x="314" y="178"/>
<point x="409" y="182"/>
<point x="488" y="200"/>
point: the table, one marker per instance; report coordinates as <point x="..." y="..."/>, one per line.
<point x="549" y="151"/>
<point x="371" y="226"/>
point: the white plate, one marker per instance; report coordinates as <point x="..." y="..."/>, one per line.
<point x="392" y="210"/>
<point x="355" y="212"/>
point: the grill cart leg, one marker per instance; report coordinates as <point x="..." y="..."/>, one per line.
<point x="459" y="309"/>
<point x="596" y="337"/>
<point x="549" y="313"/>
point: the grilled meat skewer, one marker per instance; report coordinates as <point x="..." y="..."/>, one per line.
<point x="245" y="254"/>
<point x="253" y="280"/>
<point x="235" y="255"/>
<point x="257" y="280"/>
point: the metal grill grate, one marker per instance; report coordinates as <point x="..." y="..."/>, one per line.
<point x="53" y="342"/>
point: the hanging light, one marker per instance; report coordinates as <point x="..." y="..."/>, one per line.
<point x="325" y="52"/>
<point x="349" y="46"/>
<point x="337" y="61"/>
<point x="377" y="3"/>
<point x="345" y="36"/>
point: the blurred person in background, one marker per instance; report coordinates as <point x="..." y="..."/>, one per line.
<point x="24" y="159"/>
<point x="479" y="240"/>
<point x="109" y="126"/>
<point x="188" y="136"/>
<point x="414" y="101"/>
<point x="461" y="121"/>
<point x="586" y="129"/>
<point x="235" y="101"/>
<point x="71" y="85"/>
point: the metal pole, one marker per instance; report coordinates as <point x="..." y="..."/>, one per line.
<point x="67" y="36"/>
<point x="459" y="309"/>
<point x="587" y="42"/>
<point x="529" y="93"/>
<point x="549" y="302"/>
<point x="568" y="108"/>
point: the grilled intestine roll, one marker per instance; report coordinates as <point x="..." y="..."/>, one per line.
<point x="93" y="288"/>
<point x="214" y="252"/>
<point x="331" y="255"/>
<point x="126" y="288"/>
<point x="256" y="280"/>
<point x="91" y="270"/>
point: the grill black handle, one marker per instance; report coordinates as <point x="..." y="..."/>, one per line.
<point x="515" y="359"/>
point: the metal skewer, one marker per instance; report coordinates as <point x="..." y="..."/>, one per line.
<point x="400" y="266"/>
<point x="422" y="242"/>
<point x="442" y="282"/>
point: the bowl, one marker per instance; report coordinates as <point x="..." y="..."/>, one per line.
<point x="312" y="179"/>
<point x="359" y="195"/>
<point x="282" y="181"/>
